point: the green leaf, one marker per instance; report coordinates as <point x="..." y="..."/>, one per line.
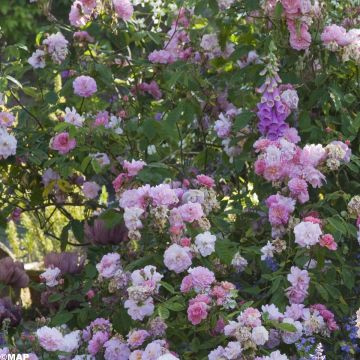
<point x="163" y="312"/>
<point x="225" y="250"/>
<point x="168" y="287"/>
<point x="242" y="120"/>
<point x="322" y="291"/>
<point x="55" y="297"/>
<point x="283" y="326"/>
<point x="61" y="318"/>
<point x="348" y="277"/>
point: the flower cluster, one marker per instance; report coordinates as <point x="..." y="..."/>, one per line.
<point x="175" y="47"/>
<point x="173" y="204"/>
<point x="299" y="16"/>
<point x="347" y="43"/>
<point x="54" y="46"/>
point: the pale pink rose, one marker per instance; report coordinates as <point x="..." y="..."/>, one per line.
<point x="50" y="339"/>
<point x="84" y="86"/>
<point x="197" y="312"/>
<point x="133" y="167"/>
<point x="177" y="258"/>
<point x="123" y="9"/>
<point x="307" y="234"/>
<point x="108" y="265"/>
<point x="6" y="119"/>
<point x="191" y="212"/>
<point x="91" y="189"/>
<point x="291" y="6"/>
<point x="336" y="34"/>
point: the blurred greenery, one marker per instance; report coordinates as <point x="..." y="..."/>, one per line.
<point x="21" y="21"/>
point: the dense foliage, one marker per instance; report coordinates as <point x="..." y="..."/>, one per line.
<point x="195" y="164"/>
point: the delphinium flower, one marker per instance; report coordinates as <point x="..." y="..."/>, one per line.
<point x="319" y="353"/>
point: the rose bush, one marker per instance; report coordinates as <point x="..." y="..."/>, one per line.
<point x="211" y="148"/>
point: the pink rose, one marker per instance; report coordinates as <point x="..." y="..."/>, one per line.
<point x="62" y="143"/>
<point x="197" y="312"/>
<point x="328" y="241"/>
<point x="205" y="181"/>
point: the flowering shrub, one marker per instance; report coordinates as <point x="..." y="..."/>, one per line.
<point x="211" y="148"/>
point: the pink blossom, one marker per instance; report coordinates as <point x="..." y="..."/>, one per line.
<point x="108" y="265"/>
<point x="62" y="143"/>
<point x="280" y="208"/>
<point x="327" y="240"/>
<point x="186" y="284"/>
<point x="191" y="212"/>
<point x="134" y="197"/>
<point x="76" y="17"/>
<point x="177" y="258"/>
<point x="197" y="312"/>
<point x="84" y="86"/>
<point x="102" y="118"/>
<point x="298" y="189"/>
<point x="138" y="311"/>
<point x="299" y="40"/>
<point x="137" y="337"/>
<point x="336" y="34"/>
<point x="97" y="342"/>
<point x="163" y="195"/>
<point x="7" y="119"/>
<point x="133" y="167"/>
<point x="123" y="9"/>
<point x="50" y="339"/>
<point x="205" y="180"/>
<point x="202" y="277"/>
<point x="162" y="57"/>
<point x="83" y="36"/>
<point x="91" y="189"/>
<point x="291" y="6"/>
<point x="250" y="317"/>
<point x="116" y="349"/>
<point x="151" y="88"/>
<point x="118" y="182"/>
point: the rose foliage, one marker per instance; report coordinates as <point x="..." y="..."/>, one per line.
<point x="213" y="150"/>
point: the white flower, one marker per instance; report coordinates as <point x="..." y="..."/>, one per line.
<point x="50" y="339"/>
<point x="71" y="341"/>
<point x="132" y="218"/>
<point x="205" y="243"/>
<point x="167" y="357"/>
<point x="273" y="311"/>
<point x="50" y="275"/>
<point x="57" y="47"/>
<point x="151" y="149"/>
<point x="239" y="262"/>
<point x="37" y="59"/>
<point x="267" y="251"/>
<point x="8" y="144"/>
<point x="307" y="233"/>
<point x="290" y="98"/>
<point x="259" y="335"/>
<point x="292" y="337"/>
<point x="72" y="117"/>
<point x="232" y="350"/>
<point x="177" y="258"/>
